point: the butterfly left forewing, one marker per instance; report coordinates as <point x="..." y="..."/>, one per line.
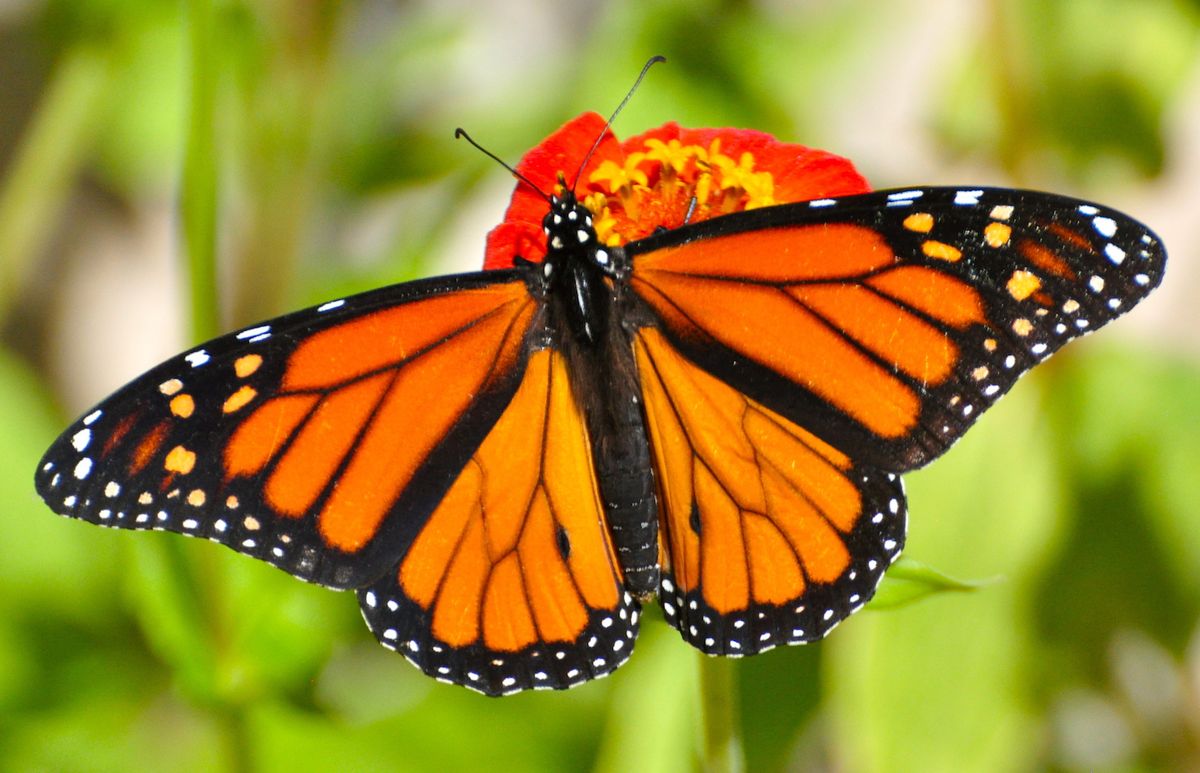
<point x="770" y="536"/>
<point x="308" y="441"/>
<point x="513" y="582"/>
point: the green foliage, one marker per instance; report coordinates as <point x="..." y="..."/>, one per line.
<point x="910" y="580"/>
<point x="320" y="161"/>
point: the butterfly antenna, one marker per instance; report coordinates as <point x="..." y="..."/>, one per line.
<point x="461" y="133"/>
<point x="645" y="68"/>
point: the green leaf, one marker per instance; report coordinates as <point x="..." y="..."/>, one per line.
<point x="910" y="580"/>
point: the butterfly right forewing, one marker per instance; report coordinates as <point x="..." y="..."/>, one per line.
<point x="886" y="323"/>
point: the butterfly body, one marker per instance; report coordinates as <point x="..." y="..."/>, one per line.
<point x="588" y="314"/>
<point x="506" y="465"/>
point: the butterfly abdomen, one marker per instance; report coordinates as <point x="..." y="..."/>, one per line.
<point x="627" y="487"/>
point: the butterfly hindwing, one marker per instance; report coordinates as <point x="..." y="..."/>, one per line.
<point x="313" y="441"/>
<point x="886" y="323"/>
<point x="770" y="536"/>
<point x="513" y="582"/>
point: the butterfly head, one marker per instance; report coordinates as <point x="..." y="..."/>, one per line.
<point x="571" y="236"/>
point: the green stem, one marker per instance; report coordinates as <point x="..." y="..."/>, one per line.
<point x="43" y="167"/>
<point x="198" y="199"/>
<point x="198" y="204"/>
<point x="1011" y="77"/>
<point x="722" y="748"/>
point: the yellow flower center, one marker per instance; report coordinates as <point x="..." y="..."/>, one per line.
<point x="670" y="183"/>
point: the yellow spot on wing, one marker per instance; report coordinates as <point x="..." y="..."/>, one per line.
<point x="921" y="222"/>
<point x="180" y="460"/>
<point x="183" y="405"/>
<point x="997" y="234"/>
<point x="1023" y="284"/>
<point x="941" y="251"/>
<point x="196" y="498"/>
<point x="238" y="399"/>
<point x="1022" y="327"/>
<point x="244" y="366"/>
<point x="170" y="386"/>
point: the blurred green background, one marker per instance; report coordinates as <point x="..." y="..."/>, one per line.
<point x="323" y="132"/>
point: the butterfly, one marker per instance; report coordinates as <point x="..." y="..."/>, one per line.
<point x="506" y="465"/>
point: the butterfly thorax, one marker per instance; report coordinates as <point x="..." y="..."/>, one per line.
<point x="583" y="285"/>
<point x="575" y="269"/>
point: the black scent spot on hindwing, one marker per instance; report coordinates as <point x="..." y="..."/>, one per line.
<point x="694" y="519"/>
<point x="564" y="542"/>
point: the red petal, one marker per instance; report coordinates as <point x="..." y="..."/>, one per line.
<point x="512" y="238"/>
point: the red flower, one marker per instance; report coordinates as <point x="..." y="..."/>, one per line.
<point x="650" y="180"/>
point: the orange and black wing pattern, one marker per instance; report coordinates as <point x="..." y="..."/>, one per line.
<point x="802" y="356"/>
<point x="312" y="441"/>
<point x="769" y="535"/>
<point x="514" y="581"/>
<point x="886" y="323"/>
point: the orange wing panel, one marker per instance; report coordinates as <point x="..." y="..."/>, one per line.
<point x="460" y="597"/>
<point x="775" y="573"/>
<point x="406" y="428"/>
<point x="559" y="609"/>
<point x="318" y="448"/>
<point x="441" y="539"/>
<point x="387" y="338"/>
<point x="891" y="333"/>
<point x="764" y="323"/>
<point x="933" y="294"/>
<point x="775" y="504"/>
<point x="522" y="530"/>
<point x="778" y="255"/>
<point x="724" y="558"/>
<point x="507" y="620"/>
<point x="264" y="433"/>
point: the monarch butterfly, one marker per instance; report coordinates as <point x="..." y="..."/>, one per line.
<point x="506" y="465"/>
